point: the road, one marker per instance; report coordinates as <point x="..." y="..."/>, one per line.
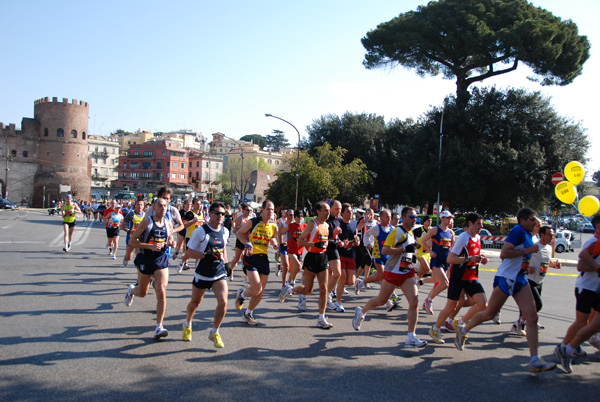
<point x="67" y="335"/>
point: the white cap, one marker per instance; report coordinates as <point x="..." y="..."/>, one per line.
<point x="446" y="214"/>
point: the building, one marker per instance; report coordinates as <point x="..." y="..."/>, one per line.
<point x="153" y="164"/>
<point x="126" y="140"/>
<point x="204" y="172"/>
<point x="48" y="156"/>
<point x="104" y="155"/>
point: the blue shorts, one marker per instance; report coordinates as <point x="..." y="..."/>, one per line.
<point x="283" y="249"/>
<point x="441" y="263"/>
<point x="510" y="287"/>
<point x="381" y="261"/>
<point x="257" y="262"/>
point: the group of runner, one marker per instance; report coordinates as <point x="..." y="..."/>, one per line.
<point x="336" y="249"/>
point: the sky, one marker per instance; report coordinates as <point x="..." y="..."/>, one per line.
<point x="220" y="66"/>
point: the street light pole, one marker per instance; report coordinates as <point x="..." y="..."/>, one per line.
<point x="298" y="163"/>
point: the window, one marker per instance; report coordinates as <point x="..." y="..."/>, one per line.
<point x="206" y="176"/>
<point x="174" y="164"/>
<point x="83" y="135"/>
<point x="146" y="165"/>
<point x="164" y="153"/>
<point x="95" y="160"/>
<point x="146" y="175"/>
<point x="197" y="163"/>
<point x="124" y="165"/>
<point x="136" y="153"/>
<point x="207" y="164"/>
<point x="60" y="132"/>
<point x="133" y="175"/>
<point x="221" y="150"/>
<point x="45" y="132"/>
<point x="182" y="177"/>
<point x="148" y="153"/>
<point x="270" y="162"/>
<point x="174" y="175"/>
<point x="96" y="150"/>
<point x="217" y="165"/>
<point x="105" y="150"/>
<point x="13" y="153"/>
<point x="73" y="133"/>
<point x="159" y="165"/>
<point x="182" y="165"/>
<point x="134" y="165"/>
<point x="189" y="175"/>
<point x="25" y="154"/>
<point x="198" y="175"/>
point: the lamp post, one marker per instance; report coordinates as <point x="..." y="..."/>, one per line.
<point x="242" y="167"/>
<point x="440" y="160"/>
<point x="298" y="163"/>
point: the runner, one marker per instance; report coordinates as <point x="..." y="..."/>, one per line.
<point x="153" y="236"/>
<point x="186" y="215"/>
<point x="511" y="280"/>
<point x="283" y="237"/>
<point x="113" y="217"/>
<point x="130" y="223"/>
<point x="333" y="256"/>
<point x="363" y="254"/>
<point x="347" y="241"/>
<point x="190" y="226"/>
<point x="442" y="238"/>
<point x="587" y="294"/>
<point x="69" y="213"/>
<point x="260" y="232"/>
<point x="465" y="258"/>
<point x="315" y="238"/>
<point x="295" y="253"/>
<point x="240" y="220"/>
<point x="207" y="246"/>
<point x="399" y="271"/>
<point x="540" y="262"/>
<point x="423" y="256"/>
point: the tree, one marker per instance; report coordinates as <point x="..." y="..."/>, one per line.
<point x="472" y="40"/>
<point x="120" y="132"/>
<point x="596" y="178"/>
<point x="256" y="139"/>
<point x="277" y="141"/>
<point x="321" y="177"/>
<point x="230" y="179"/>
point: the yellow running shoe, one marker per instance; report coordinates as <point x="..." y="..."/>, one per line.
<point x="216" y="338"/>
<point x="187" y="333"/>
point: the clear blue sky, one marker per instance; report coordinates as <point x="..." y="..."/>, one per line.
<point x="220" y="66"/>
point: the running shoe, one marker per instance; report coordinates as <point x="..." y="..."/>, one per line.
<point x="65" y="249"/>
<point x="414" y="342"/>
<point x="579" y="352"/>
<point x="160" y="332"/>
<point x="391" y="305"/>
<point x="448" y="327"/>
<point x="110" y="250"/>
<point x="125" y="262"/>
<point x="373" y="271"/>
<point x="249" y="319"/>
<point x="69" y="246"/>
<point x="395" y="297"/>
<point x="540" y="365"/>
<point x="302" y="302"/>
<point x="595" y="340"/>
<point x="322" y="323"/>
<point x="541" y="326"/>
<point x="518" y="329"/>
<point x="345" y="291"/>
<point x="339" y="307"/>
<point x="129" y="295"/>
<point x="114" y="256"/>
<point x="460" y="339"/>
<point x="358" y="286"/>
<point x="245" y="279"/>
<point x="436" y="335"/>
<point x="286" y="291"/>
<point x="427" y="306"/>
<point x="563" y="357"/>
<point x="497" y="319"/>
<point x="216" y="338"/>
<point x="330" y="305"/>
<point x="187" y="333"/>
<point x="239" y="299"/>
<point x="358" y="318"/>
<point x="419" y="282"/>
<point x="278" y="270"/>
<point x="175" y="256"/>
<point x="230" y="277"/>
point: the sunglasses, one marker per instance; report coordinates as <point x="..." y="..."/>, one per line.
<point x="249" y="210"/>
<point x="412" y="216"/>
<point x="218" y="212"/>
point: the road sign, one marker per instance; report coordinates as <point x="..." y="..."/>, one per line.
<point x="245" y="199"/>
<point x="557" y="178"/>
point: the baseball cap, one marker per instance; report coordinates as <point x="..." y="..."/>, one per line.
<point x="446" y="214"/>
<point x="362" y="211"/>
<point x="69" y="196"/>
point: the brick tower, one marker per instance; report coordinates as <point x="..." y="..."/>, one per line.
<point x="63" y="150"/>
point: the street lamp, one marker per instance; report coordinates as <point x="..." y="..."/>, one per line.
<point x="298" y="164"/>
<point x="242" y="167"/>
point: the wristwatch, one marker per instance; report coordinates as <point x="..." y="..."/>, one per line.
<point x="467" y="259"/>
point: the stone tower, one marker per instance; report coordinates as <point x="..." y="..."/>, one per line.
<point x="63" y="150"/>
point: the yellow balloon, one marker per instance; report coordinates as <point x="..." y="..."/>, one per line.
<point x="574" y="172"/>
<point x="566" y="192"/>
<point x="589" y="205"/>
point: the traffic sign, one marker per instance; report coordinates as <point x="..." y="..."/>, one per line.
<point x="245" y="199"/>
<point x="557" y="178"/>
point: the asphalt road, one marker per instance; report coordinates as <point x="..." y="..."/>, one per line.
<point x="67" y="335"/>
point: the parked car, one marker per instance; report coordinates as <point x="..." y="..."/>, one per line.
<point x="585" y="227"/>
<point x="6" y="204"/>
<point x="483" y="232"/>
<point x="563" y="241"/>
